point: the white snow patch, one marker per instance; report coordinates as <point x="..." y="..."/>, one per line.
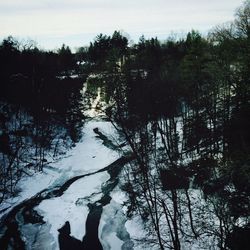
<point x="90" y="154"/>
<point x="116" y="242"/>
<point x="118" y="196"/>
<point x="112" y="231"/>
<point x="135" y="228"/>
<point x="93" y="112"/>
<point x="58" y="210"/>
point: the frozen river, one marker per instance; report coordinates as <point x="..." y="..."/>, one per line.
<point x="74" y="203"/>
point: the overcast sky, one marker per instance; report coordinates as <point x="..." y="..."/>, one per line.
<point x="77" y="22"/>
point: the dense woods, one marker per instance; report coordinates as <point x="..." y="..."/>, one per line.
<point x="182" y="106"/>
<point x="40" y="109"/>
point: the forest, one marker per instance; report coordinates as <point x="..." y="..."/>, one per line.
<point x="40" y="111"/>
<point x="182" y="107"/>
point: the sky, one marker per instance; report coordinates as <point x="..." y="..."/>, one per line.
<point x="77" y="22"/>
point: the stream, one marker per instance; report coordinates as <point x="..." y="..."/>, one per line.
<point x="24" y="226"/>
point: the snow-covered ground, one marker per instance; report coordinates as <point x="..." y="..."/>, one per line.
<point x="115" y="231"/>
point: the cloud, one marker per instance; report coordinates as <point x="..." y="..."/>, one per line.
<point x="67" y="18"/>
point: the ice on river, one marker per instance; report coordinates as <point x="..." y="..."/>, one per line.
<point x="72" y="205"/>
<point x="87" y="156"/>
<point x="115" y="230"/>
